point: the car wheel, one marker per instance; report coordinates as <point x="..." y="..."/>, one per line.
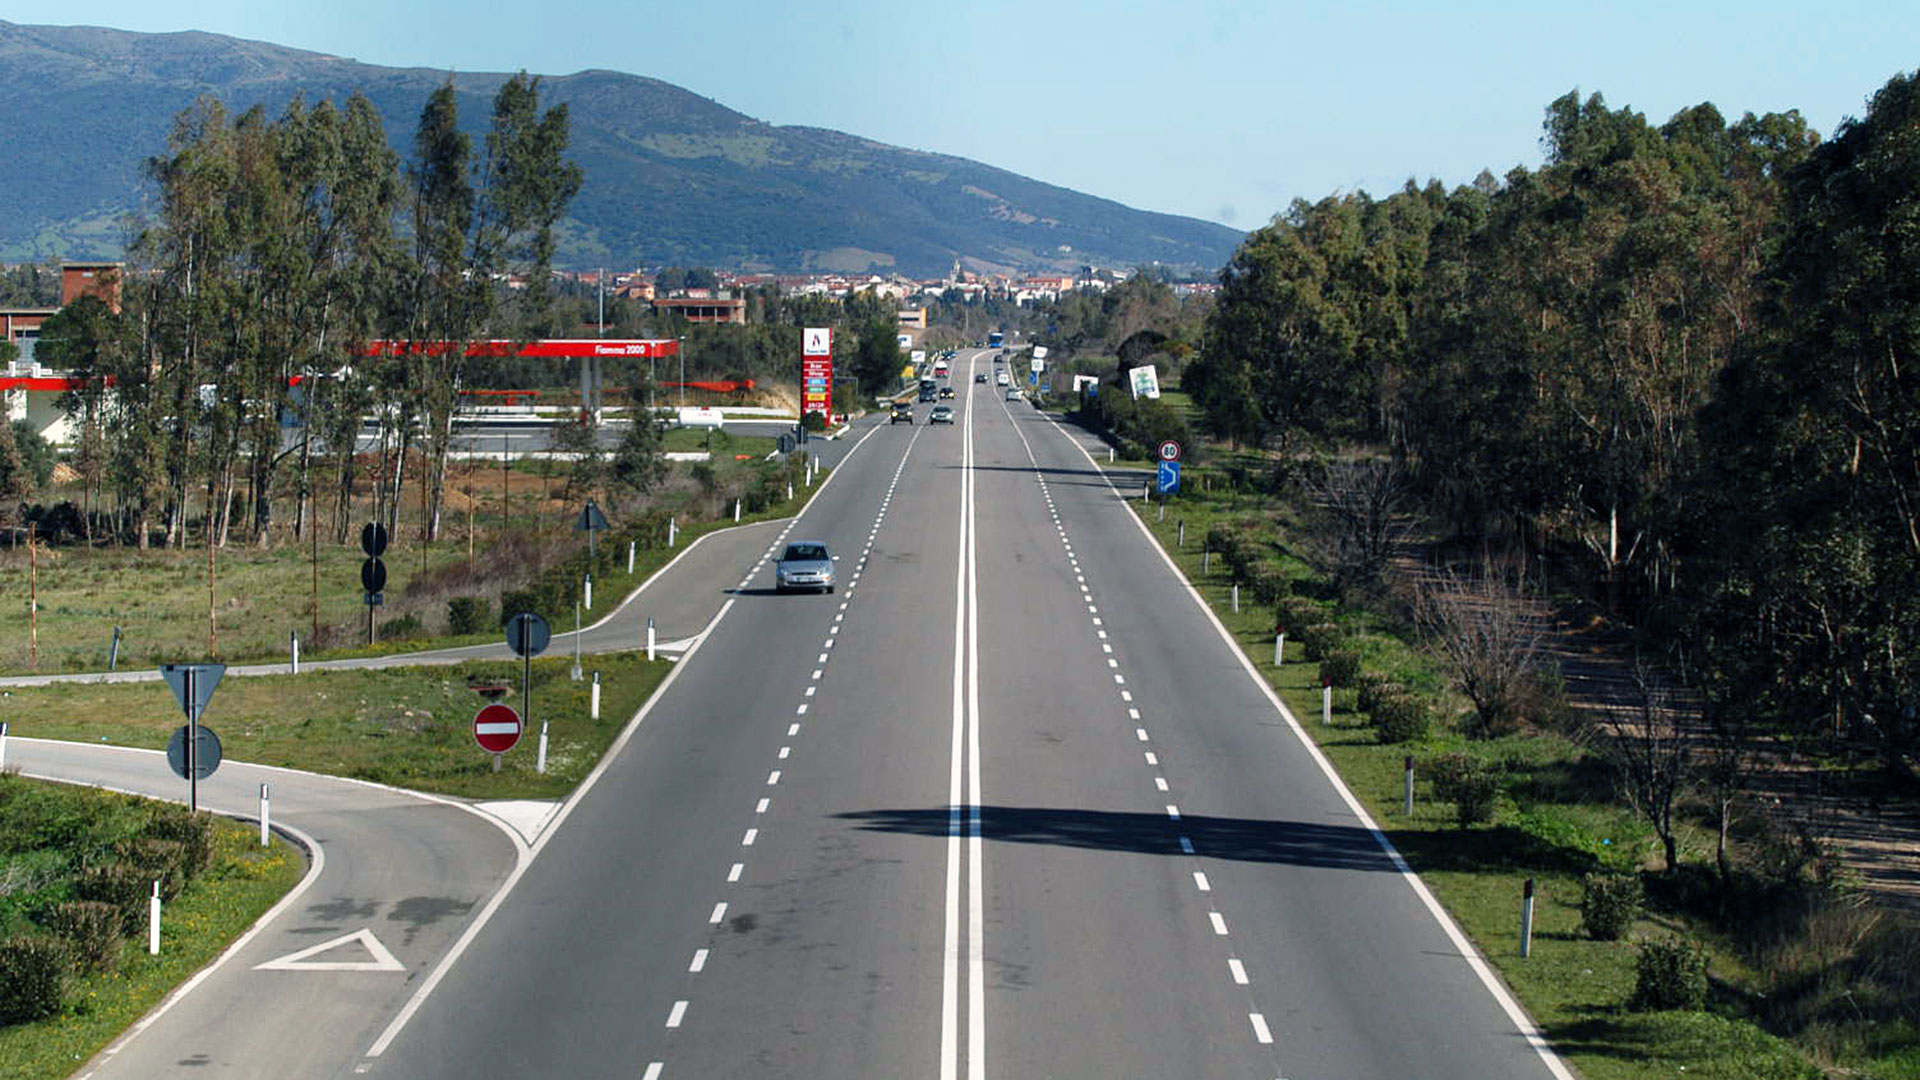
<point x="829" y="590"/>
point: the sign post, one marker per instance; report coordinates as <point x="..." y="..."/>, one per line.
<point x="194" y="751"/>
<point x="497" y="729"/>
<point x="373" y="572"/>
<point x="527" y="635"/>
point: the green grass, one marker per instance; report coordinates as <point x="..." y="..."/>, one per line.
<point x="1557" y="821"/>
<point x="411" y="727"/>
<point x="243" y="882"/>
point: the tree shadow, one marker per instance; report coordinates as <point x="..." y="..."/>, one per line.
<point x="1293" y="843"/>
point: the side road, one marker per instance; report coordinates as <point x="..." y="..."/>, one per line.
<point x="398" y="880"/>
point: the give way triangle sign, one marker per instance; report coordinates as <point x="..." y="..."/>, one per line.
<point x="378" y="958"/>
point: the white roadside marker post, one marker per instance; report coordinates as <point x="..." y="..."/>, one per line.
<point x="1326" y="703"/>
<point x="1280" y="648"/>
<point x="673" y="530"/>
<point x="1236" y="598"/>
<point x="1409" y="785"/>
<point x="649" y="639"/>
<point x="540" y="765"/>
<point x="1526" y="919"/>
<point x="595" y="713"/>
<point x="630" y="546"/>
<point x="153" y="920"/>
<point x="736" y="511"/>
<point x="3" y="744"/>
<point x="294" y="644"/>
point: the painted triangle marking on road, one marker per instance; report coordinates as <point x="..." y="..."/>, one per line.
<point x="382" y="959"/>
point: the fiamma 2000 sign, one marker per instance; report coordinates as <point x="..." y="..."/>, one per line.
<point x="642" y="348"/>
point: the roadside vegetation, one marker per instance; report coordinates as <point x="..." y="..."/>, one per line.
<point x="77" y="866"/>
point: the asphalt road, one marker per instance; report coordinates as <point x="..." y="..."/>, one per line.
<point x="1006" y="804"/>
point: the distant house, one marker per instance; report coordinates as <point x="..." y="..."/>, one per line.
<point x="723" y="308"/>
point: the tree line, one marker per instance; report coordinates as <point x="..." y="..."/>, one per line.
<point x="1678" y="358"/>
<point x="281" y="243"/>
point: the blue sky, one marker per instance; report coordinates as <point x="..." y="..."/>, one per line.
<point x="1219" y="109"/>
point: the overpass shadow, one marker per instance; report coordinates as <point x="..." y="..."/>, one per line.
<point x="1291" y="843"/>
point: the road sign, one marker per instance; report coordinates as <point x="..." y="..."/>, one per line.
<point x="591" y="519"/>
<point x="204" y="677"/>
<point x="496" y="728"/>
<point x="1169" y="478"/>
<point x="1169" y="451"/>
<point x="206" y="752"/>
<point x="373" y="575"/>
<point x="373" y="539"/>
<point x="528" y="634"/>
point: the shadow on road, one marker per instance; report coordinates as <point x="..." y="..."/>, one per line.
<point x="1294" y="843"/>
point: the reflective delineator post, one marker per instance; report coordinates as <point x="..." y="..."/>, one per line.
<point x="113" y="651"/>
<point x="153" y="920"/>
<point x="575" y="674"/>
<point x="1236" y="598"/>
<point x="1409" y="785"/>
<point x="266" y="813"/>
<point x="540" y="764"/>
<point x="1280" y="648"/>
<point x="1326" y="702"/>
<point x="293" y="650"/>
<point x="673" y="530"/>
<point x="1183" y="535"/>
<point x="649" y="639"/>
<point x="1163" y="510"/>
<point x="789" y="491"/>
<point x="1526" y="919"/>
<point x="1206" y="559"/>
<point x="3" y="744"/>
<point x="594" y="714"/>
<point x="736" y="511"/>
<point x="589" y="587"/>
<point x="630" y="546"/>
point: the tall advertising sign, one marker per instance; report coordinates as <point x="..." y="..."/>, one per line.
<point x="816" y="371"/>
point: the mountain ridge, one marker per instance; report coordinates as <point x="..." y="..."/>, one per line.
<point x="673" y="178"/>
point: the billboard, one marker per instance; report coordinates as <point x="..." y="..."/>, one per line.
<point x="816" y="371"/>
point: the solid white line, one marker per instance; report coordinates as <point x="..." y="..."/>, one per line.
<point x="699" y="962"/>
<point x="678" y="1014"/>
<point x="1239" y="971"/>
<point x="1475" y="961"/>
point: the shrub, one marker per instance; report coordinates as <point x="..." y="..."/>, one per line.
<point x="158" y="860"/>
<point x="1267" y="584"/>
<point x="121" y="886"/>
<point x="193" y="832"/>
<point x="33" y="978"/>
<point x="1373" y="687"/>
<point x="1320" y="638"/>
<point x="1340" y="666"/>
<point x="1294" y="614"/>
<point x="1608" y="905"/>
<point x="91" y="931"/>
<point x="518" y="602"/>
<point x="1470" y="783"/>
<point x="1670" y="974"/>
<point x="1401" y="718"/>
<point x="814" y="421"/>
<point x="469" y="615"/>
<point x="405" y="626"/>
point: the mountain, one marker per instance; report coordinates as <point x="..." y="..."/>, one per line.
<point x="672" y="178"/>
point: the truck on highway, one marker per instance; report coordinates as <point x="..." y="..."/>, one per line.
<point x="941" y="368"/>
<point x="928" y="389"/>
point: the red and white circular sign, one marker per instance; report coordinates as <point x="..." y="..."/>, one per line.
<point x="496" y="728"/>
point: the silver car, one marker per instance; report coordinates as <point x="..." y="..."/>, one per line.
<point x="805" y="564"/>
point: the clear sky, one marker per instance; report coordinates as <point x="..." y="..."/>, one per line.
<point x="1219" y="109"/>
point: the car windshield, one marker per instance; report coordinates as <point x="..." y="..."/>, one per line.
<point x="796" y="552"/>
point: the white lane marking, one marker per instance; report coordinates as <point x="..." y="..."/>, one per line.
<point x="811" y="689"/>
<point x="1160" y="782"/>
<point x="773" y="777"/>
<point x="1097" y="622"/>
<point x="1219" y="922"/>
<point x="750" y="837"/>
<point x="678" y="1014"/>
<point x="1186" y="845"/>
<point x="1239" y="971"/>
<point x="801" y="711"/>
<point x="1260" y="1028"/>
<point x="1140" y="733"/>
<point x="784" y="751"/>
<point x="699" y="961"/>
<point x="1119" y="679"/>
<point x="1173" y="811"/>
<point x="1112" y="663"/>
<point x="761" y="808"/>
<point x="817" y="672"/>
<point x="1152" y="758"/>
<point x="719" y="912"/>
<point x="1102" y="633"/>
<point x="822" y="660"/>
<point x="381" y="958"/>
<point x="829" y="643"/>
<point x="1126" y="695"/>
<point x="1200" y="881"/>
<point x="738" y="869"/>
<point x="1107" y="648"/>
<point x="653" y="1070"/>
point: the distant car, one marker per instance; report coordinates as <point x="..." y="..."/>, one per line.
<point x="1013" y="393"/>
<point x="941" y="414"/>
<point x="979" y="376"/>
<point x="805" y="564"/>
<point x="901" y="411"/>
<point x="1000" y="377"/>
<point x="946" y="392"/>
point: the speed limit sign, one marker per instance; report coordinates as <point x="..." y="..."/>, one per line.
<point x="1169" y="451"/>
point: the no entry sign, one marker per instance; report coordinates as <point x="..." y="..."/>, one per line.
<point x="496" y="728"/>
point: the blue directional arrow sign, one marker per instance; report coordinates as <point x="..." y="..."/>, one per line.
<point x="1169" y="478"/>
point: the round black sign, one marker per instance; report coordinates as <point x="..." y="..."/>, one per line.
<point x="528" y="634"/>
<point x="373" y="540"/>
<point x="373" y="575"/>
<point x="206" y="755"/>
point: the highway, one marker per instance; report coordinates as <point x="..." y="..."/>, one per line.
<point x="1006" y="804"/>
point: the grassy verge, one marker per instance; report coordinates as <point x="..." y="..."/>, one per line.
<point x="411" y="727"/>
<point x="241" y="884"/>
<point x="1556" y="822"/>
